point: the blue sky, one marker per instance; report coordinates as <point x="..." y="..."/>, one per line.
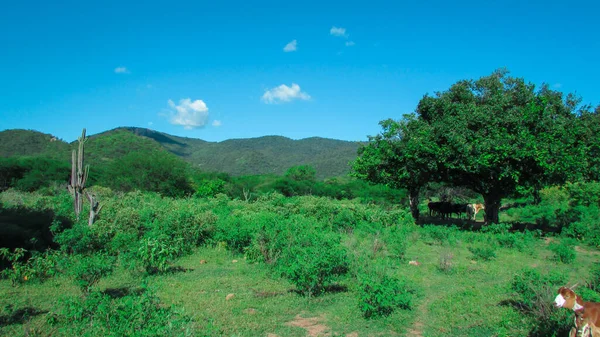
<point x="238" y="69"/>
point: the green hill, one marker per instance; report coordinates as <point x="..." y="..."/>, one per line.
<point x="32" y="143"/>
<point x="263" y="155"/>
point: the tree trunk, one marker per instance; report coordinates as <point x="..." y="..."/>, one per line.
<point x="492" y="208"/>
<point x="413" y="199"/>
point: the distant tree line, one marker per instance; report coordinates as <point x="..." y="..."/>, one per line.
<point x="162" y="172"/>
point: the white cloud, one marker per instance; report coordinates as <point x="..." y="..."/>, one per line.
<point x="350" y="43"/>
<point x="338" y="31"/>
<point x="290" y="46"/>
<point x="190" y="114"/>
<point x="216" y="123"/>
<point x="283" y="93"/>
<point x="121" y="70"/>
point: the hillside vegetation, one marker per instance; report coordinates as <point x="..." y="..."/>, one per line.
<point x="32" y="143"/>
<point x="254" y="156"/>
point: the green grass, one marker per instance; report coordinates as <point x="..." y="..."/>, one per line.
<point x="466" y="301"/>
<point x="470" y="295"/>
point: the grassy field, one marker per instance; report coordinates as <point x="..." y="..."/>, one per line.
<point x="467" y="301"/>
<point x="456" y="290"/>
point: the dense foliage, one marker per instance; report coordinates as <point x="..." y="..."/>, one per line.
<point x="496" y="135"/>
<point x="32" y="173"/>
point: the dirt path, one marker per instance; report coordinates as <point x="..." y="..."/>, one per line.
<point x="416" y="330"/>
<point x="311" y="325"/>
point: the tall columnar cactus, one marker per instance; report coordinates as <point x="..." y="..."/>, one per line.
<point x="79" y="175"/>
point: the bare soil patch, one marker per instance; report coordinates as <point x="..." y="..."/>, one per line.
<point x="311" y="325"/>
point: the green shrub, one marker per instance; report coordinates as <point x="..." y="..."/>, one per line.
<point x="132" y="315"/>
<point x="484" y="253"/>
<point x="45" y="265"/>
<point x="584" y="224"/>
<point x="313" y="261"/>
<point x="440" y="235"/>
<point x="587" y="294"/>
<point x="38" y="268"/>
<point x="206" y="188"/>
<point x="594" y="279"/>
<point x="273" y="235"/>
<point x="500" y="228"/>
<point x="19" y="271"/>
<point x="81" y="239"/>
<point x="380" y="294"/>
<point x="396" y="240"/>
<point x="584" y="194"/>
<point x="564" y="251"/>
<point x="156" y="253"/>
<point x="345" y="219"/>
<point x="88" y="270"/>
<point x="237" y="231"/>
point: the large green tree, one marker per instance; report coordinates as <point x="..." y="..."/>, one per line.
<point x="491" y="135"/>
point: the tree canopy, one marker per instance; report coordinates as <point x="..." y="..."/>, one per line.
<point x="491" y="135"/>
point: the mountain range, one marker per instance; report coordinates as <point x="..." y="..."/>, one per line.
<point x="252" y="156"/>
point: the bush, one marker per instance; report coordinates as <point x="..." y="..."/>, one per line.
<point x="313" y="261"/>
<point x="19" y="271"/>
<point x="500" y="228"/>
<point x="440" y="235"/>
<point x="237" y="230"/>
<point x="594" y="280"/>
<point x="273" y="235"/>
<point x="156" y="253"/>
<point x="80" y="239"/>
<point x="584" y="194"/>
<point x="396" y="240"/>
<point x="584" y="224"/>
<point x="484" y="253"/>
<point x="38" y="268"/>
<point x="88" y="270"/>
<point x="380" y="294"/>
<point x="564" y="251"/>
<point x="344" y="220"/>
<point x="139" y="314"/>
<point x="522" y="241"/>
